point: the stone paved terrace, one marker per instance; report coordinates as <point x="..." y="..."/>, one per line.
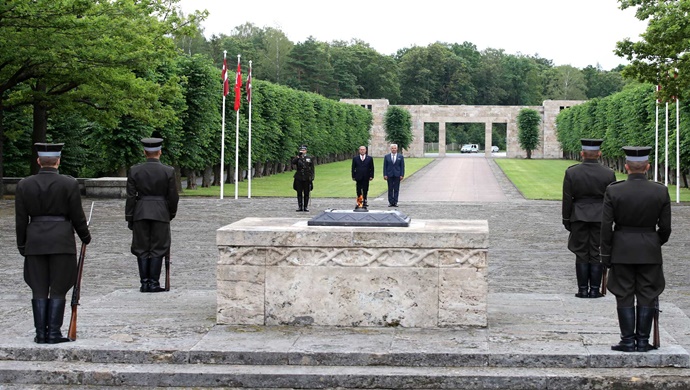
<point x="539" y="336"/>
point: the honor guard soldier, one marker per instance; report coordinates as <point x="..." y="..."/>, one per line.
<point x="48" y="212"/>
<point x="635" y="224"/>
<point x="304" y="177"/>
<point x="151" y="204"/>
<point x="584" y="185"/>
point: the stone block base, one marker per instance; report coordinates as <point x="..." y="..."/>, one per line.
<point x="281" y="271"/>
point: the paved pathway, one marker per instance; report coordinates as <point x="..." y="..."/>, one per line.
<point x="458" y="178"/>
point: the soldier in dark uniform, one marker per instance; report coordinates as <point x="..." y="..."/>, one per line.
<point x="584" y="185"/>
<point x="48" y="212"/>
<point x="631" y="246"/>
<point x="304" y="177"/>
<point x="151" y="204"/>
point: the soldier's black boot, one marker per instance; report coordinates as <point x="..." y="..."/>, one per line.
<point x="155" y="265"/>
<point x="595" y="272"/>
<point x="626" y="321"/>
<point x="645" y="316"/>
<point x="56" y="314"/>
<point x="299" y="203"/>
<point x="306" y="203"/>
<point x="40" y="309"/>
<point x="582" y="274"/>
<point x="144" y="274"/>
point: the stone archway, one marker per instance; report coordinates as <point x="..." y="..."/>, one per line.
<point x="549" y="146"/>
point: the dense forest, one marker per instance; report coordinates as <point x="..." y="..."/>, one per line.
<point x="100" y="75"/>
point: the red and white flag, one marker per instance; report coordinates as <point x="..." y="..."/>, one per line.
<point x="224" y="76"/>
<point x="249" y="84"/>
<point x="238" y="85"/>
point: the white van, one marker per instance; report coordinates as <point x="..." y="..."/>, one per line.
<point x="469" y="148"/>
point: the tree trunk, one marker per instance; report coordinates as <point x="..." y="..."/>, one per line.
<point x="40" y="126"/>
<point x="216" y="175"/>
<point x="529" y="154"/>
<point x="2" y="146"/>
<point x="191" y="179"/>
<point x="206" y="177"/>
<point x="178" y="179"/>
<point x="231" y="175"/>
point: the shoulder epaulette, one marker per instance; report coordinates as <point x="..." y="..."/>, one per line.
<point x="574" y="165"/>
<point x="616" y="182"/>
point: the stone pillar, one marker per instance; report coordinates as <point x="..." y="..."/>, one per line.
<point x="441" y="139"/>
<point x="488" y="141"/>
<point x="281" y="271"/>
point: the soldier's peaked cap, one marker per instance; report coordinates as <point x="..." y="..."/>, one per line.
<point x="591" y="144"/>
<point x="152" y="144"/>
<point x="303" y="147"/>
<point x="637" y="153"/>
<point x="48" y="150"/>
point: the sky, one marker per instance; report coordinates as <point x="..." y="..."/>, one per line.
<point x="568" y="32"/>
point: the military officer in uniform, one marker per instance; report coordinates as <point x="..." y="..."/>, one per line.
<point x="304" y="177"/>
<point x="48" y="211"/>
<point x="151" y="204"/>
<point x="584" y="185"/>
<point x="636" y="222"/>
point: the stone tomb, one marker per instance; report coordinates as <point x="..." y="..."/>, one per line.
<point x="280" y="271"/>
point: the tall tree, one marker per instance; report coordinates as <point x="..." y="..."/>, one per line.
<point x="565" y="82"/>
<point x="662" y="56"/>
<point x="528" y="121"/>
<point x="397" y="123"/>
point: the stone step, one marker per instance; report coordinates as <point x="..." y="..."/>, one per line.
<point x="76" y="374"/>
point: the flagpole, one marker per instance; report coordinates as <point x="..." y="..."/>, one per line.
<point x="222" y="136"/>
<point x="249" y="147"/>
<point x="666" y="151"/>
<point x="656" y="137"/>
<point x="677" y="150"/>
<point x="237" y="130"/>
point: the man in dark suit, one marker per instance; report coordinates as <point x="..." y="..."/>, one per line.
<point x="151" y="204"/>
<point x="48" y="211"/>
<point x="393" y="173"/>
<point x="636" y="222"/>
<point x="362" y="173"/>
<point x="303" y="181"/>
<point x="584" y="185"/>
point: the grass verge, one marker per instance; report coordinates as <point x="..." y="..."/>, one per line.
<point x="333" y="180"/>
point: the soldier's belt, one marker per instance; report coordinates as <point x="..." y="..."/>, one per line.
<point x="152" y="198"/>
<point x="48" y="218"/>
<point x="635" y="229"/>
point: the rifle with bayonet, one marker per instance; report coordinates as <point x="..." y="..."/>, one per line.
<point x="167" y="270"/>
<point x="76" y="292"/>
<point x="603" y="280"/>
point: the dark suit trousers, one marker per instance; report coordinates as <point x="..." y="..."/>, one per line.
<point x="362" y="188"/>
<point x="150" y="238"/>
<point x="644" y="282"/>
<point x="393" y="189"/>
<point x="584" y="241"/>
<point x="50" y="276"/>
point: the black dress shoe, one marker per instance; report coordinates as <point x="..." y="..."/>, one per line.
<point x="390" y="205"/>
<point x="306" y="210"/>
<point x="299" y="209"/>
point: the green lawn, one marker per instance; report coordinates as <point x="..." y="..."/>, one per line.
<point x="332" y="180"/>
<point x="543" y="179"/>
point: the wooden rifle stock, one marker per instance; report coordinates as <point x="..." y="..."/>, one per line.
<point x="656" y="343"/>
<point x="603" y="280"/>
<point x="167" y="271"/>
<point x="76" y="292"/>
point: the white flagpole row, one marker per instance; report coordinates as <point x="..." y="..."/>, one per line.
<point x="249" y="147"/>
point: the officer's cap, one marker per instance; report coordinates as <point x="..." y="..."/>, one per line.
<point x="303" y="147"/>
<point x="48" y="150"/>
<point x="637" y="153"/>
<point x="591" y="144"/>
<point x="152" y="144"/>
